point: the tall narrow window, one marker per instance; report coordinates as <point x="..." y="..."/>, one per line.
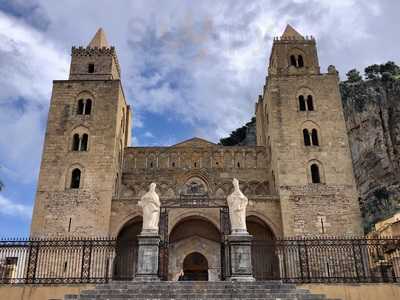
<point x="88" y="106"/>
<point x="75" y="179"/>
<point x="300" y="61"/>
<point x="314" y="137"/>
<point x="310" y="104"/>
<point x="306" y="136"/>
<point x="80" y="107"/>
<point x="91" y="68"/>
<point x="302" y="103"/>
<point x="315" y="176"/>
<point x="116" y="184"/>
<point x="75" y="142"/>
<point x="293" y="61"/>
<point x="84" y="142"/>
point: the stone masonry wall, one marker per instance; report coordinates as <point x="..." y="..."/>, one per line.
<point x="60" y="210"/>
<point x="291" y="159"/>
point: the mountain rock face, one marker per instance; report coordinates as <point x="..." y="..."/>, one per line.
<point x="372" y="113"/>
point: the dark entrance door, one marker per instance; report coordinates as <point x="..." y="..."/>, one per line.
<point x="195" y="268"/>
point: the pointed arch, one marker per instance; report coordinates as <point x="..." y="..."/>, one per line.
<point x="300" y="61"/>
<point x="293" y="61"/>
<point x="306" y="137"/>
<point x="311" y="133"/>
<point x="75" y="178"/>
<point x="314" y="137"/>
<point x="84" y="142"/>
<point x="315" y="172"/>
<point x="302" y="103"/>
<point x="75" y="142"/>
<point x="306" y="99"/>
<point x="88" y="106"/>
<point x="310" y="103"/>
<point x="80" y="107"/>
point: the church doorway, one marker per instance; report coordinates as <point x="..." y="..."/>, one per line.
<point x="127" y="250"/>
<point x="264" y="259"/>
<point x="195" y="250"/>
<point x="195" y="268"/>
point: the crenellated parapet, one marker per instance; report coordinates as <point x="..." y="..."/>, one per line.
<point x="96" y="51"/>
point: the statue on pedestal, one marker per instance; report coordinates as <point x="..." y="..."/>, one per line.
<point x="237" y="203"/>
<point x="150" y="203"/>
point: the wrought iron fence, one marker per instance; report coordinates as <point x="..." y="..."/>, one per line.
<point x="321" y="260"/>
<point x="56" y="260"/>
<point x="100" y="260"/>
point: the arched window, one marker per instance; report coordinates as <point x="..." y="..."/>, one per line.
<point x="80" y="107"/>
<point x="238" y="164"/>
<point x="84" y="107"/>
<point x="75" y="178"/>
<point x="314" y="137"/>
<point x="91" y="68"/>
<point x="310" y="104"/>
<point x="293" y="61"/>
<point x="300" y="61"/>
<point x="315" y="176"/>
<point x="302" y="103"/>
<point x="84" y="142"/>
<point x="88" y="106"/>
<point x="151" y="164"/>
<point x="75" y="142"/>
<point x="306" y="137"/>
<point x="173" y="165"/>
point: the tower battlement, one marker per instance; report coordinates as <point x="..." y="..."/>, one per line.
<point x="294" y="38"/>
<point x="95" y="52"/>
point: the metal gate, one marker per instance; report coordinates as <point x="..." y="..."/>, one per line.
<point x="125" y="261"/>
<point x="264" y="259"/>
<point x="194" y="202"/>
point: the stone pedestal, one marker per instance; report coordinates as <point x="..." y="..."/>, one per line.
<point x="147" y="267"/>
<point x="240" y="254"/>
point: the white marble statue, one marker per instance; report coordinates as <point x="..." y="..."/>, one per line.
<point x="237" y="203"/>
<point x="150" y="203"/>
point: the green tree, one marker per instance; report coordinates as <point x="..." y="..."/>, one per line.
<point x="353" y="76"/>
<point x="386" y="71"/>
<point x="391" y="68"/>
<point x="373" y="71"/>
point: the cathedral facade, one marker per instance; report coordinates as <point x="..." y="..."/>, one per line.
<point x="298" y="178"/>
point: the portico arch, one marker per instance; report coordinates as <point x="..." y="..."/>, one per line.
<point x="264" y="260"/>
<point x="127" y="249"/>
<point x="194" y="234"/>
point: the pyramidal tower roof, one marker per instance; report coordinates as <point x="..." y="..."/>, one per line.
<point x="291" y="32"/>
<point x="99" y="40"/>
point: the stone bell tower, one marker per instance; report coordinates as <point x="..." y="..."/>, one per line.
<point x="88" y="128"/>
<point x="301" y="123"/>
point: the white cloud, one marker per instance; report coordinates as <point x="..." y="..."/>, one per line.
<point x="9" y="208"/>
<point x="148" y="134"/>
<point x="28" y="64"/>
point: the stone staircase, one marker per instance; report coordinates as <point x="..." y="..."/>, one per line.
<point x="195" y="290"/>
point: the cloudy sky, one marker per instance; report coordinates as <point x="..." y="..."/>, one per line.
<point x="190" y="68"/>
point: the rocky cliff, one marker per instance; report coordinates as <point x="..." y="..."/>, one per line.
<point x="372" y="113"/>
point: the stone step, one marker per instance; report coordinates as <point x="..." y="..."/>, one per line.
<point x="267" y="290"/>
